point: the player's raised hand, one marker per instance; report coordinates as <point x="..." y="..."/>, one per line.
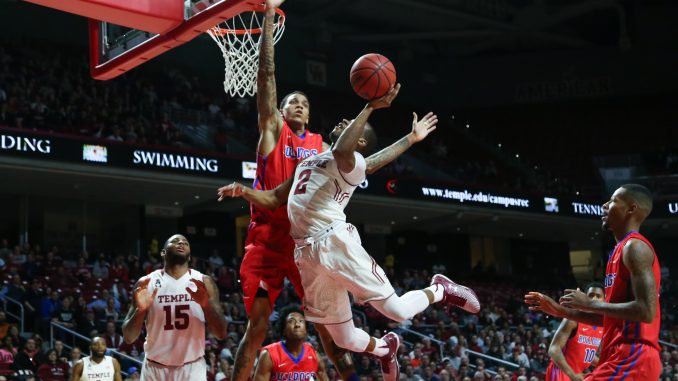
<point x="232" y="190"/>
<point x="273" y="3"/>
<point x="423" y="127"/>
<point x="386" y="100"/>
<point x="540" y="302"/>
<point x="142" y="298"/>
<point x="200" y="294"/>
<point x="575" y="299"/>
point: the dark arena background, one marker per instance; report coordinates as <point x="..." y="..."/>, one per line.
<point x="545" y="107"/>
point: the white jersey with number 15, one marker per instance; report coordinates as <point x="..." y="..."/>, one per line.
<point x="175" y="323"/>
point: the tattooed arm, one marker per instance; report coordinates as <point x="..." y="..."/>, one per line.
<point x="420" y="130"/>
<point x="270" y="120"/>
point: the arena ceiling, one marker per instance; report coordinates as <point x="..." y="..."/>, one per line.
<point x="467" y="27"/>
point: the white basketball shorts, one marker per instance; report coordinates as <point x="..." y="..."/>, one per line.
<point x="333" y="263"/>
<point x="191" y="371"/>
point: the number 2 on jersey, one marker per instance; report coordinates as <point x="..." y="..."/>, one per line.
<point x="304" y="176"/>
<point x="180" y="317"/>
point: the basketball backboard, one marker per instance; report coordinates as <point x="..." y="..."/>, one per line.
<point x="123" y="34"/>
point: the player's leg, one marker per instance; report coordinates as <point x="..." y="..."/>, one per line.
<point x="341" y="357"/>
<point x="260" y="286"/>
<point x="347" y="335"/>
<point x="253" y="338"/>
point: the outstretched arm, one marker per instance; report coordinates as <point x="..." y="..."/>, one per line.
<point x="141" y="302"/>
<point x="76" y="374"/>
<point x="270" y="120"/>
<point x="117" y="373"/>
<point x="540" y="302"/>
<point x="420" y="130"/>
<point x="638" y="259"/>
<point x="269" y="199"/>
<point x="344" y="149"/>
<point x="264" y="367"/>
<point x="562" y="335"/>
<point x="207" y="296"/>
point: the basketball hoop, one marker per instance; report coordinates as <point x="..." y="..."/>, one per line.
<point x="238" y="38"/>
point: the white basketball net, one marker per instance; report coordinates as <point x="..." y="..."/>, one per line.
<point x="241" y="50"/>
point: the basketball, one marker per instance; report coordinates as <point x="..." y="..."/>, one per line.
<point x="372" y="75"/>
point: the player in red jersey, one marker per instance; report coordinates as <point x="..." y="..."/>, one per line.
<point x="630" y="314"/>
<point x="574" y="345"/>
<point x="284" y="140"/>
<point x="292" y="359"/>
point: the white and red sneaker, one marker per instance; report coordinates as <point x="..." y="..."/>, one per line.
<point x="457" y="295"/>
<point x="390" y="369"/>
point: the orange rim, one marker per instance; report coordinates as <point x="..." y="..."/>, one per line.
<point x="225" y="31"/>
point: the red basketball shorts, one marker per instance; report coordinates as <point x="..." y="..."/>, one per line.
<point x="553" y="373"/>
<point x="269" y="258"/>
<point x="628" y="362"/>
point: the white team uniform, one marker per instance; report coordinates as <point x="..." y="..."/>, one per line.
<point x="329" y="254"/>
<point x="175" y="325"/>
<point x="103" y="371"/>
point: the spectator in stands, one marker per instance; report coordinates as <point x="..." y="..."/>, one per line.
<point x="119" y="270"/>
<point x="53" y="369"/>
<point x="17" y="339"/>
<point x="76" y="355"/>
<point x="101" y="267"/>
<point x="111" y="312"/>
<point x="49" y="308"/>
<point x="100" y="304"/>
<point x="112" y="337"/>
<point x="119" y="291"/>
<point x="89" y="326"/>
<point x="133" y="374"/>
<point x="7" y="352"/>
<point x="519" y="357"/>
<point x="16" y="289"/>
<point x="63" y="354"/>
<point x="27" y="358"/>
<point x="66" y="314"/>
<point x="4" y="325"/>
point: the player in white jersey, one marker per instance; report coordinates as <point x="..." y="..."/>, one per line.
<point x="329" y="253"/>
<point x="176" y="303"/>
<point x="97" y="366"/>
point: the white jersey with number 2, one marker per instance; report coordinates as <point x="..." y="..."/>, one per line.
<point x="175" y="323"/>
<point x="320" y="193"/>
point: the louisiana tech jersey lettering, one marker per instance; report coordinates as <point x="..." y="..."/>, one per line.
<point x="103" y="371"/>
<point x="273" y="169"/>
<point x="288" y="368"/>
<point x="175" y="323"/>
<point x="618" y="290"/>
<point x="320" y="193"/>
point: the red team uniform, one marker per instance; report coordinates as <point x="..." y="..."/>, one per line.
<point x="579" y="352"/>
<point x="630" y="349"/>
<point x="288" y="368"/>
<point x="269" y="249"/>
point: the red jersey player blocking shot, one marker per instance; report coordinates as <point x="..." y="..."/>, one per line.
<point x="574" y="345"/>
<point x="630" y="314"/>
<point x="284" y="140"/>
<point x="292" y="359"/>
